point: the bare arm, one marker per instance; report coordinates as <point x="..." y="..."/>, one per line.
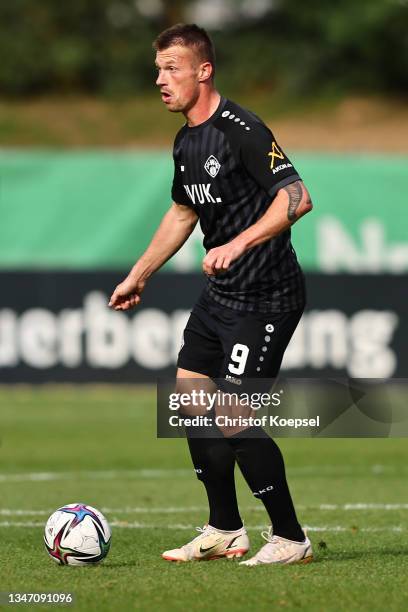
<point x="174" y="229"/>
<point x="291" y="203"/>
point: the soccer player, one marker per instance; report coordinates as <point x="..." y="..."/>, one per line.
<point x="232" y="176"/>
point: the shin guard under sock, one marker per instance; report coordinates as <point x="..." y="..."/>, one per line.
<point x="214" y="463"/>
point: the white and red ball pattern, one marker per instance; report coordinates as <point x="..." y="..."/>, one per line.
<point x="77" y="534"/>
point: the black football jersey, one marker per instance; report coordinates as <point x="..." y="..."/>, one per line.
<point x="229" y="169"/>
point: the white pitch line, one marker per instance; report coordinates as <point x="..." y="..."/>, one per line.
<point x="150" y="474"/>
<point x="259" y="508"/>
<point x="94" y="475"/>
<point x="186" y="509"/>
<point x="361" y="506"/>
<point x="136" y="525"/>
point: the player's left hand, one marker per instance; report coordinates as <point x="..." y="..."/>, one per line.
<point x="220" y="258"/>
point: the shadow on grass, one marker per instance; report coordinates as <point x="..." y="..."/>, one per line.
<point x="116" y="565"/>
<point x="334" y="556"/>
<point x="329" y="556"/>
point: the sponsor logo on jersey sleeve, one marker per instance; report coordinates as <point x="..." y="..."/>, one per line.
<point x="276" y="153"/>
<point x="281" y="167"/>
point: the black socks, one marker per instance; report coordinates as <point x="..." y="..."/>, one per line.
<point x="214" y="462"/>
<point x="262" y="466"/>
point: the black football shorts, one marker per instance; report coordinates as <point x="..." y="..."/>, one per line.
<point x="230" y="345"/>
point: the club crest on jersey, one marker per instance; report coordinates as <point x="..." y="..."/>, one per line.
<point x="212" y="166"/>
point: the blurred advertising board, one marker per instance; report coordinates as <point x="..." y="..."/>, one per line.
<point x="99" y="210"/>
<point x="57" y="327"/>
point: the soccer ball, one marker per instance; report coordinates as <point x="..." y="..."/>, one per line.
<point x="77" y="534"/>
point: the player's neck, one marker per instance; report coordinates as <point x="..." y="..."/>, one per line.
<point x="202" y="110"/>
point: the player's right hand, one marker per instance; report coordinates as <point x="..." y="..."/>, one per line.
<point x="127" y="294"/>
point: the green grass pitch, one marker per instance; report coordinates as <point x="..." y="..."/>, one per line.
<point x="97" y="445"/>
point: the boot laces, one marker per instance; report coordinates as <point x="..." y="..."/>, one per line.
<point x="269" y="537"/>
<point x="203" y="531"/>
<point x="206" y="530"/>
<point x="279" y="544"/>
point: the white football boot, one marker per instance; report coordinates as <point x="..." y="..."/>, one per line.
<point x="211" y="544"/>
<point x="280" y="550"/>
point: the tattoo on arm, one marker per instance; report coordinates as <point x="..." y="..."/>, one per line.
<point x="295" y="192"/>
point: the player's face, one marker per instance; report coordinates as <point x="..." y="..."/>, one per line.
<point x="178" y="77"/>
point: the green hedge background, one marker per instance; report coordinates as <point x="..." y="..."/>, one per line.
<point x="304" y="48"/>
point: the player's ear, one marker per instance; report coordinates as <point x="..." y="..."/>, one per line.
<point x="205" y="71"/>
